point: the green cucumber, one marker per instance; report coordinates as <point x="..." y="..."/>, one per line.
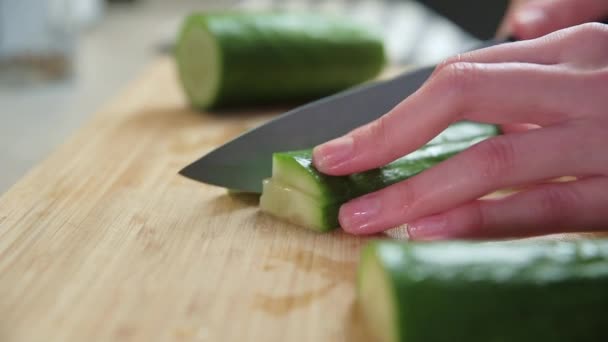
<point x="235" y="59"/>
<point x="490" y="292"/>
<point x="464" y="130"/>
<point x="298" y="207"/>
<point x="298" y="193"/>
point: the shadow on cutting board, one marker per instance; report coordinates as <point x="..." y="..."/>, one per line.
<point x="230" y="201"/>
<point x="244" y="198"/>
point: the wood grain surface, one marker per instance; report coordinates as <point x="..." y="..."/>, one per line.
<point x="103" y="241"/>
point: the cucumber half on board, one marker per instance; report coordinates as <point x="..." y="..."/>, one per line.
<point x="237" y="59"/>
<point x="490" y="292"/>
<point x="298" y="193"/>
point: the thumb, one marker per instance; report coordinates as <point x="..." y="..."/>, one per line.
<point x="538" y="18"/>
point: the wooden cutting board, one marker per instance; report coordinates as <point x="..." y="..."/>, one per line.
<point x="103" y="241"/>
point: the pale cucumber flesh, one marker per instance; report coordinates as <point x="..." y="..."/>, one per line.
<point x="199" y="65"/>
<point x="376" y="301"/>
<point x="295" y="206"/>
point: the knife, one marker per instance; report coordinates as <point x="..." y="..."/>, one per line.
<point x="242" y="163"/>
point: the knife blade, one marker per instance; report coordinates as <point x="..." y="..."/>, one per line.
<point x="242" y="163"/>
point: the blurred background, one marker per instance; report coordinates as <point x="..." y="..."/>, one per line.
<point x="60" y="60"/>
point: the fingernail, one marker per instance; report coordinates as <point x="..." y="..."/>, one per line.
<point x="530" y="17"/>
<point x="429" y="228"/>
<point x="357" y="215"/>
<point x="333" y="153"/>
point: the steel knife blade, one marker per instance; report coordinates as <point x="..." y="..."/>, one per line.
<point x="244" y="162"/>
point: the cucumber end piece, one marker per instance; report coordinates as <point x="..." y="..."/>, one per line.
<point x="292" y="169"/>
<point x="294" y="206"/>
<point x="198" y="58"/>
<point x="376" y="296"/>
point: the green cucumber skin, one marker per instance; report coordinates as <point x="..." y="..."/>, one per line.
<point x="275" y="57"/>
<point x="341" y="188"/>
<point x="333" y="191"/>
<point x="510" y="291"/>
<point x="336" y="190"/>
<point x="465" y="130"/>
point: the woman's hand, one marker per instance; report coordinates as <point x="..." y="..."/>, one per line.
<point x="527" y="19"/>
<point x="558" y="82"/>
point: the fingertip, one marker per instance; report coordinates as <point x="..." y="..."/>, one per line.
<point x="328" y="157"/>
<point x="517" y="128"/>
<point x="528" y="23"/>
<point x="360" y="215"/>
<point x="317" y="156"/>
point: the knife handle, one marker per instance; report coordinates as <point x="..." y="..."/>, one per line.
<point x="512" y="38"/>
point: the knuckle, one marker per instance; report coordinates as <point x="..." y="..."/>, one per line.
<point x="477" y="218"/>
<point x="558" y="37"/>
<point x="582" y="34"/>
<point x="458" y="58"/>
<point x="556" y="203"/>
<point x="494" y="159"/>
<point x="598" y="78"/>
<point x="589" y="83"/>
<point x="380" y="130"/>
<point x="591" y="30"/>
<point x="602" y="77"/>
<point x="442" y="65"/>
<point x="458" y="77"/>
<point x="587" y="136"/>
<point x="377" y="134"/>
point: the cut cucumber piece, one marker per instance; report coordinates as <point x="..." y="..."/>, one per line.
<point x="297" y="186"/>
<point x="297" y="207"/>
<point x="235" y="59"/>
<point x="500" y="291"/>
<point x="295" y="170"/>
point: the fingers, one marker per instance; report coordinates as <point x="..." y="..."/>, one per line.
<point x="504" y="29"/>
<point x="541" y="51"/>
<point x="494" y="93"/>
<point x="515" y="127"/>
<point x="537" y="18"/>
<point x="551" y="49"/>
<point x="553" y="208"/>
<point x="497" y="163"/>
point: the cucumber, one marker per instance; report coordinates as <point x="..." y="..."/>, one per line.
<point x="499" y="291"/>
<point x="237" y="59"/>
<point x="298" y="207"/>
<point x="300" y="194"/>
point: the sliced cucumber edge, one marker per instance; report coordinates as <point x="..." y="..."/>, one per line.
<point x="198" y="51"/>
<point x="294" y="172"/>
<point x="376" y="295"/>
<point x="296" y="207"/>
